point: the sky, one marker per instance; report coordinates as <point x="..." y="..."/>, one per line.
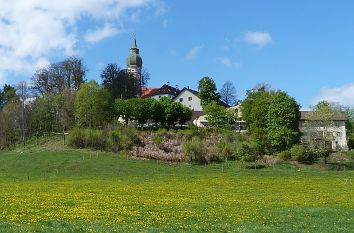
<point x="305" y="48"/>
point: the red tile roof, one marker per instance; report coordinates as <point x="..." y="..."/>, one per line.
<point x="149" y="91"/>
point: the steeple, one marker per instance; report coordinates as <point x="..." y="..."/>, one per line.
<point x="134" y="46"/>
<point x="134" y="63"/>
<point x="134" y="58"/>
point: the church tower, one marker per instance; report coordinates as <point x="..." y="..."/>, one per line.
<point x="134" y="63"/>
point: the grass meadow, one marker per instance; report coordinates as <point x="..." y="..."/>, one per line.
<point x="65" y="190"/>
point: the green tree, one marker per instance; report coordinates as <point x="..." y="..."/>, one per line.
<point x="272" y="118"/>
<point x="207" y="91"/>
<point x="254" y="109"/>
<point x="282" y="121"/>
<point x="140" y="110"/>
<point x="216" y="114"/>
<point x="349" y="113"/>
<point x="157" y="112"/>
<point x="186" y="115"/>
<point x="92" y="105"/>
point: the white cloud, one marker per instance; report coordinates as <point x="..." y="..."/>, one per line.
<point x="258" y="38"/>
<point x="101" y="33"/>
<point x="193" y="52"/>
<point x="31" y="31"/>
<point x="228" y="62"/>
<point x="343" y="95"/>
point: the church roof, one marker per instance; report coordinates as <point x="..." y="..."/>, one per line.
<point x="134" y="58"/>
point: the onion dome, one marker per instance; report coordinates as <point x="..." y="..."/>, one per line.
<point x="134" y="58"/>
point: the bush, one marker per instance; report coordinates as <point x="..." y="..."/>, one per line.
<point x="194" y="151"/>
<point x="304" y="155"/>
<point x="109" y="139"/>
<point x="77" y="138"/>
<point x="230" y="143"/>
<point x="284" y="155"/>
<point x="248" y="151"/>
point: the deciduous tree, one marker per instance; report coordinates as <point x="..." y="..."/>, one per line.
<point x="228" y="93"/>
<point x="207" y="91"/>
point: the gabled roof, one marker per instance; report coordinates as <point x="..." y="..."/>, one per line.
<point x="164" y="90"/>
<point x="188" y="89"/>
<point x="167" y="89"/>
<point x="148" y="92"/>
<point x="337" y="116"/>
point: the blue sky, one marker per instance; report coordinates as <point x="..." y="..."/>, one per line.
<point x="302" y="47"/>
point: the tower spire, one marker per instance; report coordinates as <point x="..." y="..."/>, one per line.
<point x="134" y="46"/>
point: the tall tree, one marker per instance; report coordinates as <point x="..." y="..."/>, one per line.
<point x="207" y="91"/>
<point x="68" y="74"/>
<point x="228" y="93"/>
<point x="282" y="123"/>
<point x="254" y="109"/>
<point x="216" y="114"/>
<point x="272" y="118"/>
<point x="145" y="76"/>
<point x="119" y="83"/>
<point x="92" y="105"/>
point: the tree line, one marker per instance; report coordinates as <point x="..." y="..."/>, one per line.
<point x="59" y="97"/>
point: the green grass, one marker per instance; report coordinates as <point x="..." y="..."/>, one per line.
<point x="53" y="188"/>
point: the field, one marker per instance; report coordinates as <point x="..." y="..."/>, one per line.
<point x="66" y="190"/>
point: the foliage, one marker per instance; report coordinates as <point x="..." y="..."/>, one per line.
<point x="272" y="118"/>
<point x="109" y="139"/>
<point x="57" y="77"/>
<point x="119" y="83"/>
<point x="297" y="151"/>
<point x="216" y="114"/>
<point x="92" y="105"/>
<point x="284" y="155"/>
<point x="194" y="151"/>
<point x="228" y="93"/>
<point x="207" y="91"/>
<point x="282" y="121"/>
<point x="249" y="151"/>
<point x="254" y="112"/>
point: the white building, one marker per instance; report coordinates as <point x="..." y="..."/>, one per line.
<point x="190" y="99"/>
<point x="335" y="133"/>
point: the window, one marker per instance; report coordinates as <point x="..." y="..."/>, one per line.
<point x="190" y="106"/>
<point x="339" y="134"/>
<point x="180" y="99"/>
<point x="190" y="98"/>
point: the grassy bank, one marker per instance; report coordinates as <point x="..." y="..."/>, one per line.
<point x="57" y="189"/>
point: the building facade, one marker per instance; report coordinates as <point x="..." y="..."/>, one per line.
<point x="190" y="99"/>
<point x="332" y="133"/>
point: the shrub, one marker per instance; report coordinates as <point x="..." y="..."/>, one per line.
<point x="284" y="155"/>
<point x="248" y="151"/>
<point x="112" y="140"/>
<point x="297" y="151"/>
<point x="230" y="144"/>
<point x="195" y="151"/>
<point x="304" y="155"/>
<point x="76" y="138"/>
